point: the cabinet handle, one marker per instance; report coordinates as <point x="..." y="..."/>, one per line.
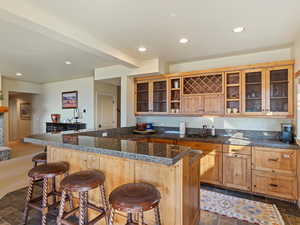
<point x="273" y="185"/>
<point x="274" y="160"/>
<point x="234" y="150"/>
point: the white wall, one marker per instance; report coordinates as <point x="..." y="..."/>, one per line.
<point x="245" y="59"/>
<point x="296" y="52"/>
<point x="15" y="86"/>
<point x="49" y="102"/>
<point x="264" y="124"/>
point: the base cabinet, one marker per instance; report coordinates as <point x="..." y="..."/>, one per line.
<point x="211" y="167"/>
<point x="237" y="171"/>
<point x="274" y="185"/>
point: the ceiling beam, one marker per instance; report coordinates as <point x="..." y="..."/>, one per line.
<point x="37" y="20"/>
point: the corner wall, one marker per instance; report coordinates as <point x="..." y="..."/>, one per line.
<point x="50" y="101"/>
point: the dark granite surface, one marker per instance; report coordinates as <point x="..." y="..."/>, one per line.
<point x="122" y="142"/>
<point x="115" y="146"/>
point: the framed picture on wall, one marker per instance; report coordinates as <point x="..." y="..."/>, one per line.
<point x="70" y="100"/>
<point x="25" y="111"/>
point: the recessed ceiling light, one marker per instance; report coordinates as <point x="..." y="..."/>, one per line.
<point x="173" y="15"/>
<point x="19" y="74"/>
<point x="68" y="62"/>
<point x="183" y="40"/>
<point x="238" y="29"/>
<point x="142" y="49"/>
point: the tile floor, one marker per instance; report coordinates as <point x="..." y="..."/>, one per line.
<point x="11" y="207"/>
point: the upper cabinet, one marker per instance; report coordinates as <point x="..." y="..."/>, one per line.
<point x="151" y="96"/>
<point x="279" y="91"/>
<point x="262" y="90"/>
<point x="253" y="92"/>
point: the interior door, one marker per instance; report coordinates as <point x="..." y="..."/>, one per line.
<point x="106" y="111"/>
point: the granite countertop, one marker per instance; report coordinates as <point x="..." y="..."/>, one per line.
<point x="123" y="143"/>
<point x="162" y="153"/>
<point x="230" y="140"/>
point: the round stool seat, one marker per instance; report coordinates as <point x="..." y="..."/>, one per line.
<point x="134" y="197"/>
<point x="83" y="181"/>
<point x="40" y="158"/>
<point x="49" y="170"/>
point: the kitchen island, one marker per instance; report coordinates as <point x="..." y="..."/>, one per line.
<point x="173" y="169"/>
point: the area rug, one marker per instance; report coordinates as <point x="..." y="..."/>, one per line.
<point x="239" y="208"/>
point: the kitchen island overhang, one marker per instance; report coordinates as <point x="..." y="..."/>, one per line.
<point x="173" y="169"/>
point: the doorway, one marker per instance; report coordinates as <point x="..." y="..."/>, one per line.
<point x="107" y="103"/>
<point x="106" y="111"/>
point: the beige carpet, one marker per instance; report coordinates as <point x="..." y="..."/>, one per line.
<point x="13" y="174"/>
<point x="19" y="149"/>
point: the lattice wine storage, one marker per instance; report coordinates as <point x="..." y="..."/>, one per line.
<point x="203" y="84"/>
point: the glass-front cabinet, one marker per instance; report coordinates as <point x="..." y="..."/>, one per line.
<point x="254" y="92"/>
<point x="151" y="96"/>
<point x="279" y="91"/>
<point x="268" y="91"/>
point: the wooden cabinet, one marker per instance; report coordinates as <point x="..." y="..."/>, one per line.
<point x="274" y="172"/>
<point x="261" y="90"/>
<point x="268" y="92"/>
<point x="237" y="167"/>
<point x="274" y="185"/>
<point x="151" y="96"/>
<point x="210" y="162"/>
<point x="254" y="92"/>
<point x="279" y="91"/>
<point x="233" y="92"/>
<point x="274" y="160"/>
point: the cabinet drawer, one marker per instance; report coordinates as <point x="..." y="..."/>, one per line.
<point x="202" y="146"/>
<point x="237" y="149"/>
<point x="274" y="160"/>
<point x="274" y="185"/>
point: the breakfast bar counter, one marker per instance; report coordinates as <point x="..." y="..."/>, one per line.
<point x="173" y="169"/>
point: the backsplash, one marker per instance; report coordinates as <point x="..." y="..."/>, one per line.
<point x="255" y="124"/>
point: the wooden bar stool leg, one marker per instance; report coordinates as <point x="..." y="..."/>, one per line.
<point x="157" y="215"/>
<point x="83" y="217"/>
<point x="142" y="218"/>
<point x="54" y="189"/>
<point x="62" y="207"/>
<point x="71" y="203"/>
<point x="111" y="216"/>
<point x="28" y="198"/>
<point x="45" y="201"/>
<point x="104" y="202"/>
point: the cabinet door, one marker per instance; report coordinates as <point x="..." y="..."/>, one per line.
<point x="282" y="161"/>
<point x="210" y="161"/>
<point x="192" y="104"/>
<point x="159" y="96"/>
<point x="237" y="171"/>
<point x="279" y="91"/>
<point x="214" y="104"/>
<point x="254" y="92"/>
<point x="142" y="96"/>
<point x="211" y="167"/>
<point x="274" y="185"/>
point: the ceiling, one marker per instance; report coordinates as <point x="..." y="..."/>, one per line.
<point x="41" y="59"/>
<point x="157" y="25"/>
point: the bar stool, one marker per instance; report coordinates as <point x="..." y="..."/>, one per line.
<point x="83" y="182"/>
<point x="39" y="158"/>
<point x="135" y="198"/>
<point x="45" y="171"/>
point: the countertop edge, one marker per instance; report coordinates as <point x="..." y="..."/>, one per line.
<point x="128" y="155"/>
